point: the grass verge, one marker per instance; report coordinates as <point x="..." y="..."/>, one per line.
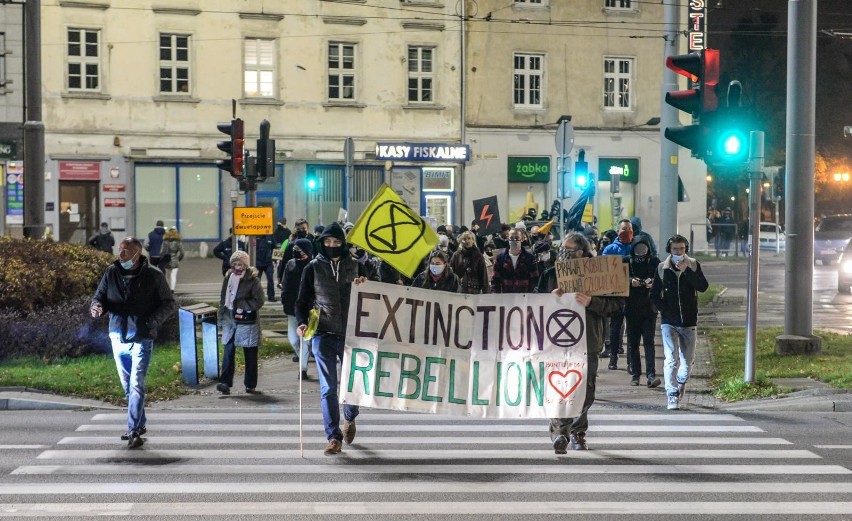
<point x="706" y="298"/>
<point x="95" y="376"/>
<point x="833" y="365"/>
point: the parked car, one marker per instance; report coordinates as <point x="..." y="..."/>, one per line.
<point x="770" y="234"/>
<point x="831" y="236"/>
<point x="844" y="270"/>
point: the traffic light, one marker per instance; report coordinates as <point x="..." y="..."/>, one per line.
<point x="581" y="171"/>
<point x="234" y="148"/>
<point x="728" y="135"/>
<point x="265" y="152"/>
<point x="700" y="101"/>
<point x="311" y="182"/>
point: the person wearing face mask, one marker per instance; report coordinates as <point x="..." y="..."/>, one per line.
<point x="326" y="285"/>
<point x="565" y="431"/>
<point x="225" y="249"/>
<point x="239" y="305"/>
<point x="622" y="245"/>
<point x="515" y="269"/>
<point x="300" y="231"/>
<point x="677" y="281"/>
<point x="303" y="252"/>
<point x="640" y="234"/>
<point x="640" y="313"/>
<point x="138" y="300"/>
<point x="438" y="275"/>
<point x="501" y="240"/>
<point x="469" y="264"/>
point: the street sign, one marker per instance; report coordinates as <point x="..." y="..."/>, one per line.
<point x="564" y="138"/>
<point x="253" y="221"/>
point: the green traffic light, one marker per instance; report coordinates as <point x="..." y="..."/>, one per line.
<point x="731" y="146"/>
<point x="312" y="184"/>
<point x="581" y="180"/>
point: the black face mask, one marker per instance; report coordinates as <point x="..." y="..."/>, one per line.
<point x="301" y="234"/>
<point x="334" y="252"/>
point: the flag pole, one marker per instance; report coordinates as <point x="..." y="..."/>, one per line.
<point x="299" y="369"/>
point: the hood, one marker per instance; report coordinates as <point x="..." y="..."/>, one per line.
<point x="159" y="230"/>
<point x="637" y="225"/>
<point x="305" y="245"/>
<point x="332" y="230"/>
<point x="172" y="235"/>
<point x="642" y="239"/>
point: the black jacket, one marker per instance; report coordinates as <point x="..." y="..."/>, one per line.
<point x="223" y="251"/>
<point x="639" y="301"/>
<point x="469" y="265"/>
<point x="327" y="287"/>
<point x="138" y="301"/>
<point x="263" y="251"/>
<point x="676" y="297"/>
<point x="447" y="282"/>
<point x="290" y="288"/>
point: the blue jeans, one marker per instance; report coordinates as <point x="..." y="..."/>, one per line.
<point x="679" y="347"/>
<point x="328" y="352"/>
<point x="131" y="360"/>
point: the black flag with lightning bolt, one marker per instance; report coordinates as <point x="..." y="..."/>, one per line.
<point x="487" y="215"/>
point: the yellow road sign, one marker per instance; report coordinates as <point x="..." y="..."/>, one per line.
<point x="253" y="221"/>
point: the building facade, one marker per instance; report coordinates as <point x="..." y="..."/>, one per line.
<point x="11" y="114"/>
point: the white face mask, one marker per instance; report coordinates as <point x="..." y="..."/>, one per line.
<point x="545" y="257"/>
<point x="676" y="258"/>
<point x="128" y="264"/>
<point x="436" y="269"/>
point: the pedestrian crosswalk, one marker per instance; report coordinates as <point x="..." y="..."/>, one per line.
<point x="242" y="463"/>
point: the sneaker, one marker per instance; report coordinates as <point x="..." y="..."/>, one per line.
<point x="349" y="431"/>
<point x="560" y="445"/>
<point x="680" y="389"/>
<point x="273" y="299"/>
<point x="333" y="448"/>
<point x="135" y="441"/>
<point x="653" y="382"/>
<point x="634" y="382"/>
<point x="126" y="435"/>
<point x="605" y="354"/>
<point x="578" y="441"/>
<point x="612" y="366"/>
<point x="672" y="403"/>
<point x="303" y="375"/>
<point x="252" y="390"/>
<point x="295" y="358"/>
<point x="223" y="388"/>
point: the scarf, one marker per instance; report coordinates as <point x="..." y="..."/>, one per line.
<point x="231" y="292"/>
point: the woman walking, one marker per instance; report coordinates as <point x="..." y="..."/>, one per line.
<point x="241" y="300"/>
<point x="172" y="248"/>
<point x="437" y="275"/>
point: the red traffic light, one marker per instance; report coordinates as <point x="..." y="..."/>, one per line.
<point x="234" y="148"/>
<point x="701" y="100"/>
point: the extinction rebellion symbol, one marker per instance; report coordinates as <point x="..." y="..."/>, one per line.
<point x="565" y="328"/>
<point x="393" y="228"/>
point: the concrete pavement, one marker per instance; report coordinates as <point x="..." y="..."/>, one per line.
<point x="280" y="386"/>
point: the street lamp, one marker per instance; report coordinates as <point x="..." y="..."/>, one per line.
<point x="841" y="177"/>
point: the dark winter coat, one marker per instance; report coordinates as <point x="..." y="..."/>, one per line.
<point x="469" y="265"/>
<point x="138" y="301"/>
<point x="103" y="241"/>
<point x="155" y="241"/>
<point x="290" y="286"/>
<point x="224" y="250"/>
<point x="263" y="251"/>
<point x="639" y="302"/>
<point x="515" y="279"/>
<point x="448" y="281"/>
<point x="326" y="285"/>
<point x="249" y="297"/>
<point x="676" y="296"/>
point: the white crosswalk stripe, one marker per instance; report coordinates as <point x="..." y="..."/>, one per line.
<point x="200" y="463"/>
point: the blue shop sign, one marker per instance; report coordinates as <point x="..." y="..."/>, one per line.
<point x="422" y="152"/>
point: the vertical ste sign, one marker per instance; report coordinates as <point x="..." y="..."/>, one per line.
<point x="697" y="25"/>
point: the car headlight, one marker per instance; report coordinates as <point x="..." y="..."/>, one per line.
<point x="846" y="266"/>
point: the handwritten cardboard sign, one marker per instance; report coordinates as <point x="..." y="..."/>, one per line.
<point x="606" y="275"/>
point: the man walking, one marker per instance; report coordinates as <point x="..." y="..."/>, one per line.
<point x="326" y="284"/>
<point x="677" y="281"/>
<point x="263" y="263"/>
<point x="515" y="270"/>
<point x="154" y="244"/>
<point x="139" y="301"/>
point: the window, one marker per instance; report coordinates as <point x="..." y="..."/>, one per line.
<point x="528" y="72"/>
<point x="341" y="72"/>
<point x="617" y="79"/>
<point x="420" y="74"/>
<point x="618" y="4"/>
<point x="529" y="2"/>
<point x="174" y="64"/>
<point x="259" y="63"/>
<point x="84" y="60"/>
<point x="186" y="196"/>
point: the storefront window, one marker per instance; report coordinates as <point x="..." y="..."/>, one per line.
<point x="440" y="208"/>
<point x="186" y="196"/>
<point x="199" y="202"/>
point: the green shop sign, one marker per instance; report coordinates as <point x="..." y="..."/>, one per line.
<point x="628" y="166"/>
<point x="529" y="169"/>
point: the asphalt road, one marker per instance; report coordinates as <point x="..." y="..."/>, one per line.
<point x="245" y="463"/>
<point x="831" y="310"/>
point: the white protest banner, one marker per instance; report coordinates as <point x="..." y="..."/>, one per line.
<point x="605" y="275"/>
<point x="490" y="356"/>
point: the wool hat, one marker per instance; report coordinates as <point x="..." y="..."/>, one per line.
<point x="241" y="256"/>
<point x="305" y="245"/>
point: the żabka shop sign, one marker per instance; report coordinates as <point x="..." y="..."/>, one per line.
<point x="422" y="152"/>
<point x="529" y="169"/>
<point x="489" y="356"/>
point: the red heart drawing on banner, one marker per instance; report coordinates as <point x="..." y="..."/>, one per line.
<point x="562" y="381"/>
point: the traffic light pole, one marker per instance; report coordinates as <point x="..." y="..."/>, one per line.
<point x="668" y="119"/>
<point x="755" y="170"/>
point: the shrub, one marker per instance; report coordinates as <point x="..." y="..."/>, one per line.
<point x="37" y="273"/>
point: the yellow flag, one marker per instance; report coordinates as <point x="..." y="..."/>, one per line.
<point x="390" y="230"/>
<point x="545" y="227"/>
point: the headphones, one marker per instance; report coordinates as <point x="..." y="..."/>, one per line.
<point x="676" y="238"/>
